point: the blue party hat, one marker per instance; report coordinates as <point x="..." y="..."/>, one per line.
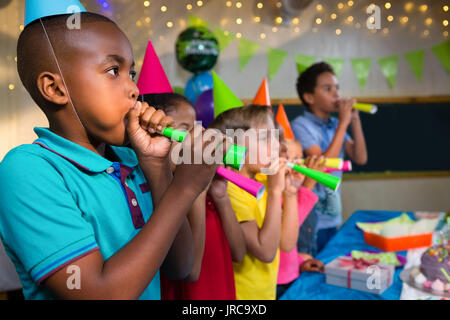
<point x="36" y="9"/>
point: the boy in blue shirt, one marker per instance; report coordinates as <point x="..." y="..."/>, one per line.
<point x="82" y="216"/>
<point x="321" y="134"/>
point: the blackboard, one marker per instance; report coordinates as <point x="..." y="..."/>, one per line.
<point x="402" y="137"/>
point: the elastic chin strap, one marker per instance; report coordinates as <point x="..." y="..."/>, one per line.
<point x="60" y="72"/>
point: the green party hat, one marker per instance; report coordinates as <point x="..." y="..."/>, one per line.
<point x="224" y="98"/>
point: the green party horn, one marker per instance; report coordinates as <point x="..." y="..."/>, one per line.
<point x="234" y="158"/>
<point x="326" y="179"/>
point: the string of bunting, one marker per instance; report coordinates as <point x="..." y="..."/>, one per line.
<point x="361" y="66"/>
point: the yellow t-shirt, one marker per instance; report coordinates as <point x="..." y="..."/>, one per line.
<point x="254" y="279"/>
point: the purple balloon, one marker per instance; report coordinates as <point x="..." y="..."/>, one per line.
<point x="204" y="107"/>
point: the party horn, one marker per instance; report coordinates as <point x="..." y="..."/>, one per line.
<point x="326" y="179"/>
<point x="333" y="163"/>
<point x="234" y="158"/>
<point x="253" y="187"/>
<point x="366" y="107"/>
<point x="347" y="166"/>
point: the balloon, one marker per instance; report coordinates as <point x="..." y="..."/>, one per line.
<point x="197" y="49"/>
<point x="204" y="107"/>
<point x="198" y="84"/>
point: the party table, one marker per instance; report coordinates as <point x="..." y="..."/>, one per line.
<point x="312" y="286"/>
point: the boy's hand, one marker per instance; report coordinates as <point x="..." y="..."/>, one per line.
<point x="345" y="107"/>
<point x="142" y="124"/>
<point x="355" y="115"/>
<point x="314" y="164"/>
<point x="312" y="265"/>
<point x="195" y="177"/>
<point x="276" y="182"/>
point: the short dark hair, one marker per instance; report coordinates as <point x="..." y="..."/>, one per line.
<point x="33" y="52"/>
<point x="165" y="100"/>
<point x="307" y="81"/>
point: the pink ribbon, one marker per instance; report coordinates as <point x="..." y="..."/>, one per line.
<point x="357" y="264"/>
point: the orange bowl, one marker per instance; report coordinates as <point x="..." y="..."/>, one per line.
<point x="399" y="243"/>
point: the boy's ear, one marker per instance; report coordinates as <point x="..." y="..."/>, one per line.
<point x="52" y="88"/>
<point x="309" y="98"/>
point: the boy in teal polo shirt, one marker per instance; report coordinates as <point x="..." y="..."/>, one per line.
<point x="81" y="215"/>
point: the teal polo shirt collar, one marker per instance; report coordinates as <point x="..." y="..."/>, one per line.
<point x="78" y="155"/>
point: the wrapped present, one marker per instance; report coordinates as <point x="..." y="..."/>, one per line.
<point x="360" y="274"/>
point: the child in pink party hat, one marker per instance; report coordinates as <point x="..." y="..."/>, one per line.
<point x="218" y="239"/>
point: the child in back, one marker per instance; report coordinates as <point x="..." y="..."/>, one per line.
<point x="291" y="262"/>
<point x="218" y="238"/>
<point x="108" y="216"/>
<point x="321" y="134"/>
<point x="260" y="220"/>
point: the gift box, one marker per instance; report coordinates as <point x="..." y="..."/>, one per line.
<point x="360" y="274"/>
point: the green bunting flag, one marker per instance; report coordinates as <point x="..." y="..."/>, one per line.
<point x="224" y="38"/>
<point x="275" y="59"/>
<point x="415" y="61"/>
<point x="247" y="50"/>
<point x="442" y="52"/>
<point x="362" y="70"/>
<point x="389" y="68"/>
<point x="336" y="64"/>
<point x="303" y="62"/>
<point x="194" y="21"/>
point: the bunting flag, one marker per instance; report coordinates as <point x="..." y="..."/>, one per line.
<point x="247" y="50"/>
<point x="442" y="52"/>
<point x="178" y="90"/>
<point x="194" y="21"/>
<point x="389" y="68"/>
<point x="223" y="37"/>
<point x="415" y="61"/>
<point x="303" y="62"/>
<point x="337" y="65"/>
<point x="275" y="58"/>
<point x="361" y="67"/>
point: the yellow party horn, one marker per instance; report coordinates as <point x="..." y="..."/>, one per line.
<point x="334" y="163"/>
<point x="366" y="107"/>
<point x="326" y="179"/>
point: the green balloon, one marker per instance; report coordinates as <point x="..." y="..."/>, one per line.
<point x="197" y="49"/>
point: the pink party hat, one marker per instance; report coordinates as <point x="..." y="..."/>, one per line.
<point x="152" y="78"/>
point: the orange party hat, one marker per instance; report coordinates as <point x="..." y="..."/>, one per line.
<point x="283" y="120"/>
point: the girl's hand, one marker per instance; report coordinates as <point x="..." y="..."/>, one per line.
<point x="143" y="122"/>
<point x="312" y="265"/>
<point x="294" y="181"/>
<point x="314" y="163"/>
